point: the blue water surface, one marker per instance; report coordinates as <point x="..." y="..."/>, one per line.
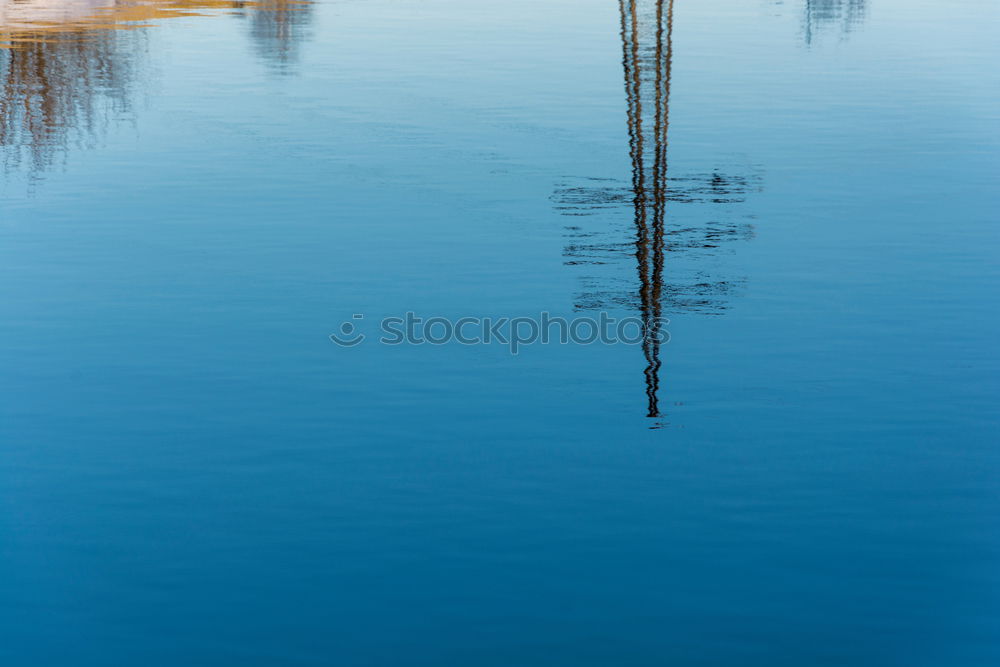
<point x="192" y="473"/>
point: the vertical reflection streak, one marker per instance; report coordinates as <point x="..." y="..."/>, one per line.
<point x="633" y="84"/>
<point x="650" y="233"/>
<point x="646" y="31"/>
<point x="650" y="343"/>
<point x="633" y="87"/>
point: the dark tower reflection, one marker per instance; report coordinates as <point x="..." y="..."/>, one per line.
<point x="278" y="28"/>
<point x="649" y="206"/>
<point x="647" y="57"/>
<point x="842" y="15"/>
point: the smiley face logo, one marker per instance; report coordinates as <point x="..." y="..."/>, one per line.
<point x="347" y="336"/>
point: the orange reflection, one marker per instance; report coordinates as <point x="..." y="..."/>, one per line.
<point x="35" y="20"/>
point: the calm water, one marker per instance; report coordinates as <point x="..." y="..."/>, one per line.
<point x="192" y="473"/>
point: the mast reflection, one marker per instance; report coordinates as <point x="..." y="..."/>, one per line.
<point x="647" y="57"/>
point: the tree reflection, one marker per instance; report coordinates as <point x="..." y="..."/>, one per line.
<point x="69" y="68"/>
<point x="63" y="91"/>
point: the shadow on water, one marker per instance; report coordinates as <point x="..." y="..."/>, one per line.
<point x="71" y="68"/>
<point x="634" y="217"/>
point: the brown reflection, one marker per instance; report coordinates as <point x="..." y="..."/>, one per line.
<point x="62" y="92"/>
<point x="647" y="54"/>
<point x="69" y="68"/>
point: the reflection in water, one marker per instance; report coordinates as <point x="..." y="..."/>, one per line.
<point x="647" y="43"/>
<point x="844" y="15"/>
<point x="19" y="15"/>
<point x="278" y="27"/>
<point x="70" y="67"/>
<point x="61" y="91"/>
<point x="36" y="20"/>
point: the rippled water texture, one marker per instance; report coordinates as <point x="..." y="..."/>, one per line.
<point x="801" y="196"/>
